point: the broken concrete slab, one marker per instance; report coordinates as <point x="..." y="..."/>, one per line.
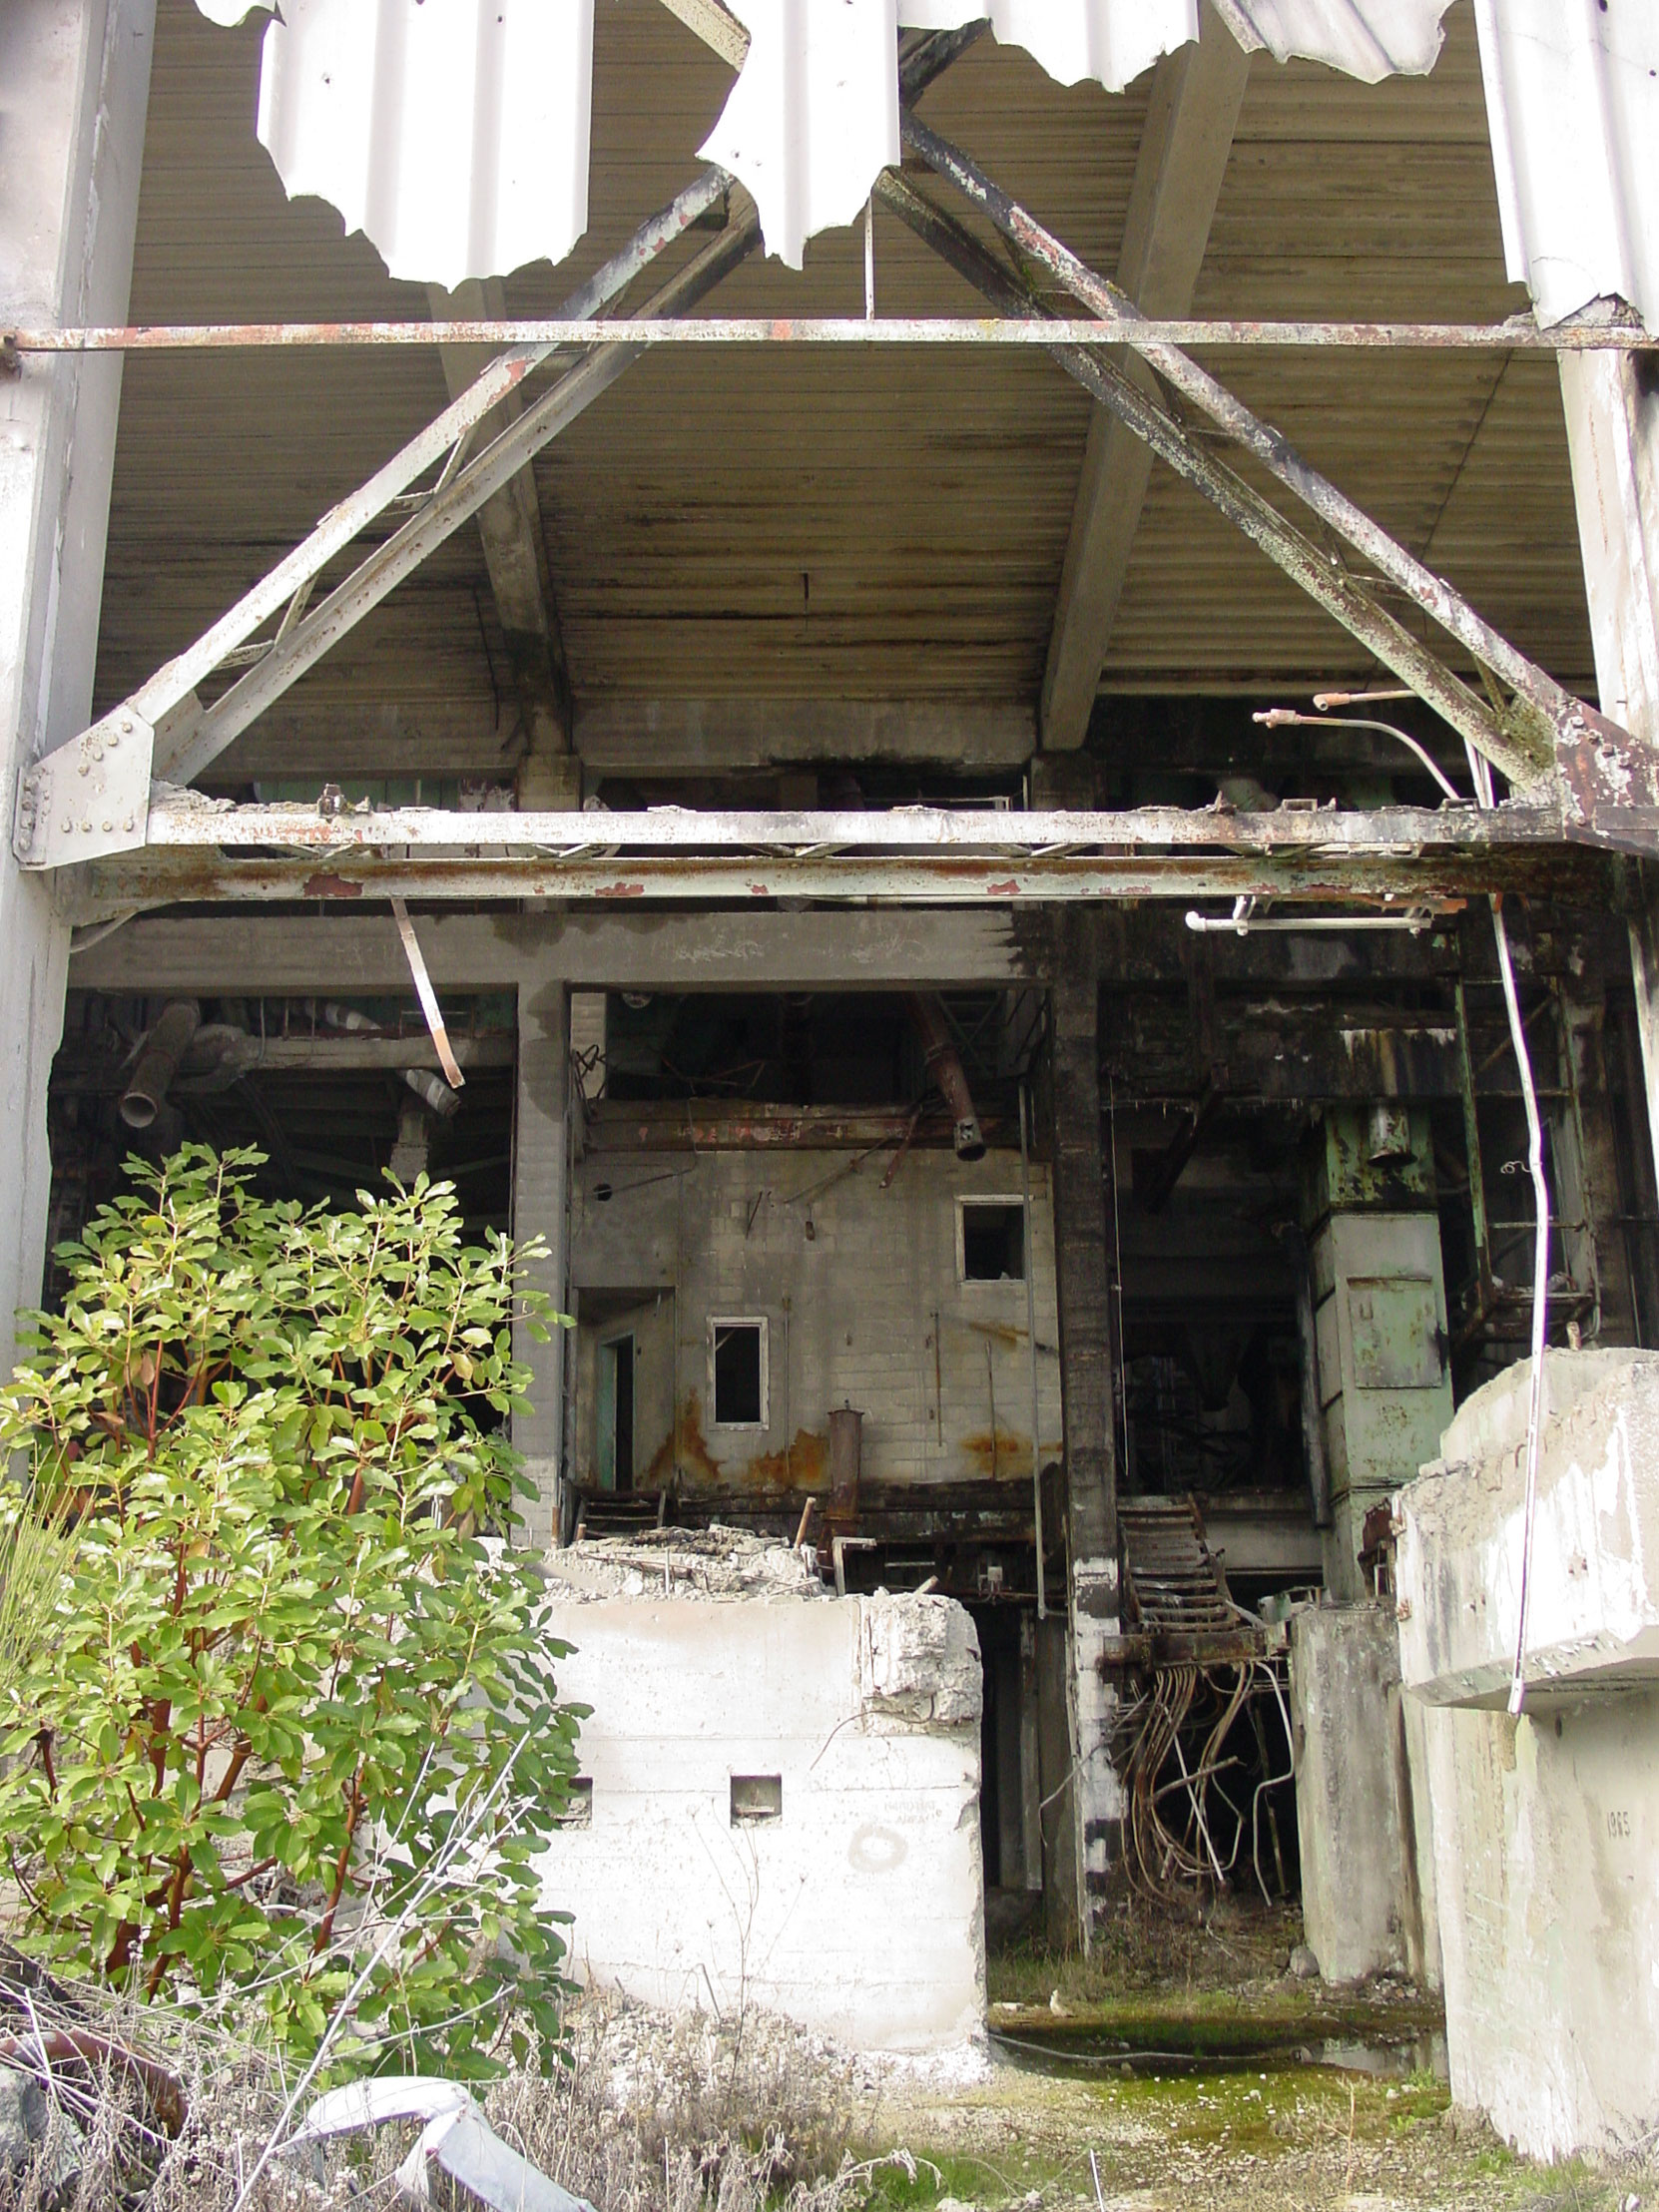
<point x="782" y="1793"/>
<point x="1593" y="1607"/>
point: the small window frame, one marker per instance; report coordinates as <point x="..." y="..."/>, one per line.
<point x="761" y="1324"/>
<point x="1007" y="1202"/>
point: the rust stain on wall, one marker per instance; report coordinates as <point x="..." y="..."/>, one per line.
<point x="686" y="1452"/>
<point x="685" y="1458"/>
<point x="1003" y="1454"/>
<point x="800" y="1467"/>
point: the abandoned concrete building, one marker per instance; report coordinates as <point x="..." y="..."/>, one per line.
<point x="1028" y="852"/>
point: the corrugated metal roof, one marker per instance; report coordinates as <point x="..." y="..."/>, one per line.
<point x="774" y="524"/>
<point x="455" y="132"/>
<point x="1572" y="99"/>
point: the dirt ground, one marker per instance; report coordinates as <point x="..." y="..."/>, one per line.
<point x="1283" y="2132"/>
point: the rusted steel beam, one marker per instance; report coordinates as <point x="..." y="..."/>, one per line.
<point x="1310" y="567"/>
<point x="563" y="332"/>
<point x="1433" y="880"/>
<point x="775" y="838"/>
<point x="448" y="507"/>
<point x="1550" y="716"/>
<point x="162" y="720"/>
<point x="704" y="1125"/>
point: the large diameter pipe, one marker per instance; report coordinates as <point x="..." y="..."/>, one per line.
<point x="944" y="1065"/>
<point x="158" y="1062"/>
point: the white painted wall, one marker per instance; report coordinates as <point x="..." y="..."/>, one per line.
<point x="869" y="1309"/>
<point x="859" y="1913"/>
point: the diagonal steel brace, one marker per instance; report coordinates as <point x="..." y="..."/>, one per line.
<point x="1609" y="779"/>
<point x="161" y="726"/>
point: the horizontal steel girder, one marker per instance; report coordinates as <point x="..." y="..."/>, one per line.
<point x="1403" y="858"/>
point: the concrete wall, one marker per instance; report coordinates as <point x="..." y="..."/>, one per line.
<point x="1368" y="1887"/>
<point x="1593" y="1604"/>
<point x="1545" y="1829"/>
<point x="859" y="1911"/>
<point x="866" y="1309"/>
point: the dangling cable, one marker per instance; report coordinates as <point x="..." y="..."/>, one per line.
<point x="1481" y="769"/>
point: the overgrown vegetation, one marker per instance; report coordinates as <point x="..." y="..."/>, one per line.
<point x="276" y="1722"/>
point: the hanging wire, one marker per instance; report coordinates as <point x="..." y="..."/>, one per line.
<point x="1481" y="770"/>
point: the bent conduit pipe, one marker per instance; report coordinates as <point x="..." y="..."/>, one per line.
<point x="158" y="1062"/>
<point x="944" y="1065"/>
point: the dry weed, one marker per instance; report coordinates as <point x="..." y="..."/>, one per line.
<point x="651" y="2113"/>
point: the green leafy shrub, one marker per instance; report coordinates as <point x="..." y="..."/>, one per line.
<point x="288" y="1723"/>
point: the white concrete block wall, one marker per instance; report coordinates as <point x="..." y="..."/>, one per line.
<point x="852" y="1308"/>
<point x="859" y="1911"/>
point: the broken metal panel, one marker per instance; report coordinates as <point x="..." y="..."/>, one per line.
<point x="1380" y="1316"/>
<point x="1572" y="106"/>
<point x="456" y="138"/>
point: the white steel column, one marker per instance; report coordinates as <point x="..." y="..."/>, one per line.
<point x="541" y="1185"/>
<point x="73" y="88"/>
<point x="1612" y="412"/>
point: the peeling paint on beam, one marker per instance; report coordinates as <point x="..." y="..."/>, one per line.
<point x="1520" y="335"/>
<point x="158" y="879"/>
<point x="774" y="838"/>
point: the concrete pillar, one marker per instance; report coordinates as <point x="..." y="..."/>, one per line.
<point x="1611" y="403"/>
<point x="1084" y="1287"/>
<point x="74" y="87"/>
<point x="541" y="1197"/>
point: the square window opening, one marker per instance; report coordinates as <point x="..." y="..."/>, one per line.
<point x="993" y="1239"/>
<point x="757" y="1796"/>
<point x="577" y="1810"/>
<point x="738" y="1359"/>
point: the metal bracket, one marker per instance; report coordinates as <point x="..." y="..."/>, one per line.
<point x="88" y="797"/>
<point x="1610" y="782"/>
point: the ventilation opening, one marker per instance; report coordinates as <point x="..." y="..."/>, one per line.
<point x="740" y="1377"/>
<point x="578" y="1806"/>
<point x="994" y="1240"/>
<point x="757" y="1796"/>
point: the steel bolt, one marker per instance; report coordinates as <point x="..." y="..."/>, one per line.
<point x="69" y="825"/>
<point x="108" y="825"/>
<point x="86" y="826"/>
<point x="128" y="823"/>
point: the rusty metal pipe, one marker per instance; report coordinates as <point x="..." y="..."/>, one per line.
<point x="548" y="332"/>
<point x="158" y="1062"/>
<point x="944" y="1065"/>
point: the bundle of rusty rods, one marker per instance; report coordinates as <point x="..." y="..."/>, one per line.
<point x="1164" y="1859"/>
